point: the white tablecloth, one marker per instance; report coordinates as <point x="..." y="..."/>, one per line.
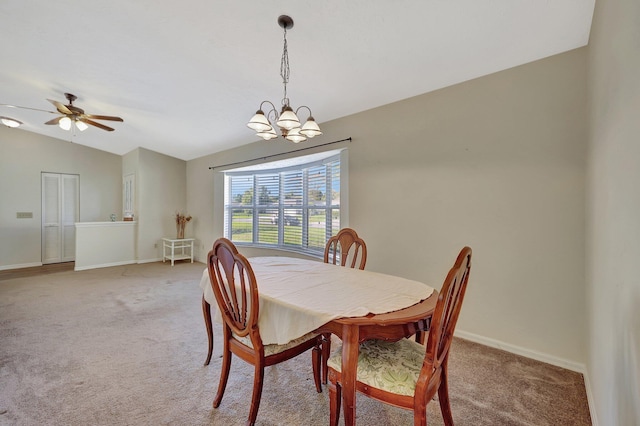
<point x="297" y="296"/>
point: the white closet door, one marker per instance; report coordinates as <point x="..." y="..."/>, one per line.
<point x="60" y="212"/>
<point x="69" y="215"/>
<point x="51" y="218"/>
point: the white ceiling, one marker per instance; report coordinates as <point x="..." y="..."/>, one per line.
<point x="187" y="76"/>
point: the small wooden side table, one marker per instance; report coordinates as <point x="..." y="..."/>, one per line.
<point x="177" y="249"/>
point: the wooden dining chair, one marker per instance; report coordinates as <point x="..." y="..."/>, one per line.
<point x="345" y="248"/>
<point x="404" y="373"/>
<point x="236" y="290"/>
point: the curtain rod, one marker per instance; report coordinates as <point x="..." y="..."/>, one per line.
<point x="277" y="155"/>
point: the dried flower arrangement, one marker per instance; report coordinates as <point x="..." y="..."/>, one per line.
<point x="181" y="221"/>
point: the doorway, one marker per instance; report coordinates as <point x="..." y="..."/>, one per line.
<point x="60" y="212"/>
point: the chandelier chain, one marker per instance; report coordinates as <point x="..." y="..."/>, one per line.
<point x="284" y="68"/>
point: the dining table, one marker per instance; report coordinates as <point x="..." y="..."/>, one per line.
<point x="298" y="296"/>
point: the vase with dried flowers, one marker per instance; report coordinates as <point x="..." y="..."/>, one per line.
<point x="181" y="221"/>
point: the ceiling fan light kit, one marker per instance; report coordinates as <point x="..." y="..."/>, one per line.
<point x="287" y="120"/>
<point x="65" y="124"/>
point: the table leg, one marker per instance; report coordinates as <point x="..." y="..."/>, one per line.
<point x="350" y="349"/>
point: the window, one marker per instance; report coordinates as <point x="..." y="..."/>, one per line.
<point x="291" y="204"/>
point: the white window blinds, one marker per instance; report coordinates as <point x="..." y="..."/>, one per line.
<point x="294" y="207"/>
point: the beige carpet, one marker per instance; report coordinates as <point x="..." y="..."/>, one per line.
<point x="125" y="346"/>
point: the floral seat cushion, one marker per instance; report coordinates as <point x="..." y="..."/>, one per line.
<point x="389" y="366"/>
<point x="276" y="349"/>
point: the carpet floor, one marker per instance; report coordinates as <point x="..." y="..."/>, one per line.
<point x="125" y="346"/>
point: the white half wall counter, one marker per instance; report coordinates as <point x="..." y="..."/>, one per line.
<point x="104" y="244"/>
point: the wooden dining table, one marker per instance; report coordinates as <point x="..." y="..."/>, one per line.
<point x="298" y="296"/>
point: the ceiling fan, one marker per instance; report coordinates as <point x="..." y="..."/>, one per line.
<point x="71" y="114"/>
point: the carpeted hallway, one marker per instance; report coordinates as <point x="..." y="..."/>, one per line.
<point x="126" y="345"/>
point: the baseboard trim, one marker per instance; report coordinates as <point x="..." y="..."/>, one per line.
<point x="590" y="399"/>
<point x="158" y="259"/>
<point x="104" y="265"/>
<point x="518" y="350"/>
<point x="20" y="266"/>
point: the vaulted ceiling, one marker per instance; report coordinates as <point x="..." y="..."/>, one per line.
<point x="187" y="76"/>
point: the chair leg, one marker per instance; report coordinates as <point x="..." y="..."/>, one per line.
<point x="420" y="415"/>
<point x="206" y="312"/>
<point x="326" y="353"/>
<point x="258" y="379"/>
<point x="335" y="399"/>
<point x="443" y="397"/>
<point x="224" y="375"/>
<point x="316" y="360"/>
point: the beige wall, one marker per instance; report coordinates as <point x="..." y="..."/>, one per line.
<point x="496" y="163"/>
<point x="613" y="226"/>
<point x="160" y="192"/>
<point x="160" y="184"/>
<point x="23" y="156"/>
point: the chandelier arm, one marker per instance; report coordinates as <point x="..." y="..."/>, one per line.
<point x="304" y="106"/>
<point x="273" y="107"/>
<point x="275" y="114"/>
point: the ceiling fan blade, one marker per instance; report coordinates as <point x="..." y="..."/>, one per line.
<point x="61" y="107"/>
<point x="94" y="123"/>
<point x="74" y="109"/>
<point x="54" y="120"/>
<point x="32" y="109"/>
<point x="103" y="117"/>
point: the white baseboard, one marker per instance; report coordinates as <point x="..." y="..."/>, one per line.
<point x="528" y="353"/>
<point x="104" y="265"/>
<point x="590" y="400"/>
<point x="19" y="266"/>
<point x="158" y="259"/>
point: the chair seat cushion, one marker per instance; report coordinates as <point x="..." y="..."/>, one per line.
<point x="276" y="349"/>
<point x="389" y="366"/>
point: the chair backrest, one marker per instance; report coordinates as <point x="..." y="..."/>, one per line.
<point x="235" y="287"/>
<point x="346" y="249"/>
<point x="445" y="316"/>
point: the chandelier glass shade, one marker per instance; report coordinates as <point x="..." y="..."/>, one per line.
<point x="286" y="119"/>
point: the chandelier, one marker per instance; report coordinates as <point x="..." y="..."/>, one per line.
<point x="287" y="120"/>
